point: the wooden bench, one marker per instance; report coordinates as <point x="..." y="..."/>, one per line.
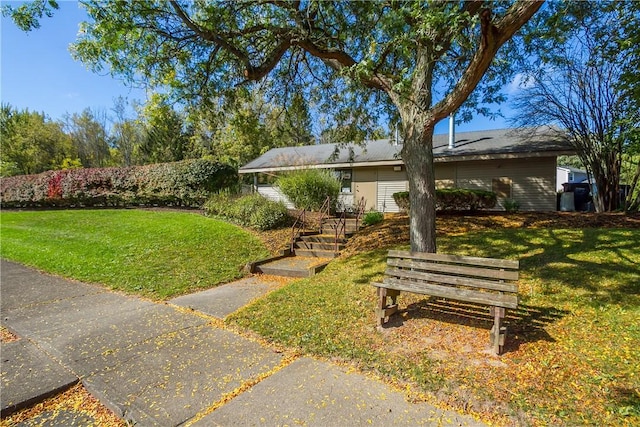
<point x="471" y="279"/>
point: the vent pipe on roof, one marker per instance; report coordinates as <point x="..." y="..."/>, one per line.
<point x="395" y="141"/>
<point x="452" y="131"/>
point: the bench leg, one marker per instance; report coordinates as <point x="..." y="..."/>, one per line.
<point x="385" y="310"/>
<point x="498" y="332"/>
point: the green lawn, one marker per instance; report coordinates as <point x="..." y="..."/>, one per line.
<point x="572" y="352"/>
<point x="151" y="253"/>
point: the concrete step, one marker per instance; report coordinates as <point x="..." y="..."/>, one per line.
<point x="295" y="266"/>
<point x="322" y="238"/>
<point x="326" y="246"/>
<point x="317" y="253"/>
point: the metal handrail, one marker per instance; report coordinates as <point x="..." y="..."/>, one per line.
<point x="342" y="223"/>
<point x="325" y="209"/>
<point x="299" y="224"/>
<point x="360" y="207"/>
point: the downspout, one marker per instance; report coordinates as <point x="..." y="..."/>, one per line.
<point x="452" y="131"/>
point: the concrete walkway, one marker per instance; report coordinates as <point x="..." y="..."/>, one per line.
<point x="168" y="365"/>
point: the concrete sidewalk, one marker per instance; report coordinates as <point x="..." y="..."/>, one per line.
<point x="159" y="364"/>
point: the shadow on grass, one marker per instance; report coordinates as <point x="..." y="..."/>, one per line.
<point x="602" y="264"/>
<point x="371" y="265"/>
<point x="526" y="324"/>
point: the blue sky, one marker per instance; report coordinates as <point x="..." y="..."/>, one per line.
<point x="38" y="73"/>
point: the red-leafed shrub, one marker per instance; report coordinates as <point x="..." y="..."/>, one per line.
<point x="186" y="183"/>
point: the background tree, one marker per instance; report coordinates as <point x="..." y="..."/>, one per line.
<point x="90" y="138"/>
<point x="580" y="88"/>
<point x="166" y="138"/>
<point x="248" y="125"/>
<point x="293" y="123"/>
<point x="31" y="143"/>
<point x="127" y="133"/>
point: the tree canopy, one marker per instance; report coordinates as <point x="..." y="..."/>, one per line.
<point x="31" y="143"/>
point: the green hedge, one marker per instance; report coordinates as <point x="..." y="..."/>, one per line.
<point x="453" y="199"/>
<point x="186" y="183"/>
<point x="253" y="211"/>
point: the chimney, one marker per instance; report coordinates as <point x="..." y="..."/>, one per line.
<point x="452" y="131"/>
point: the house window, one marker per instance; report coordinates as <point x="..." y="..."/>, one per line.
<point x="345" y="180"/>
<point x="502" y="187"/>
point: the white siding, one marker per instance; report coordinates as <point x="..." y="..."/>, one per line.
<point x="389" y="182"/>
<point x="562" y="176"/>
<point x="273" y="193"/>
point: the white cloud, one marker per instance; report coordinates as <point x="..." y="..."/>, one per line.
<point x="520" y="81"/>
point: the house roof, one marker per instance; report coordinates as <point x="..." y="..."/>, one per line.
<point x="572" y="169"/>
<point x="479" y="145"/>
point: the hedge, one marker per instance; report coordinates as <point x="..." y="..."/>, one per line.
<point x="186" y="183"/>
<point x="453" y="199"/>
<point x="253" y="211"/>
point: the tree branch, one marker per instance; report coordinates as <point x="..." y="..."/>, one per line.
<point x="493" y="36"/>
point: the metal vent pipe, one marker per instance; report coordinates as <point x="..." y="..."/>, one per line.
<point x="452" y="131"/>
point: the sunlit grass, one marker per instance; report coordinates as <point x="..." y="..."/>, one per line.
<point x="572" y="356"/>
<point x="151" y="253"/>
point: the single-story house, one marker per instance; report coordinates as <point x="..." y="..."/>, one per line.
<point x="515" y="166"/>
<point x="569" y="174"/>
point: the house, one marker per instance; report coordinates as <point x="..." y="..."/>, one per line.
<point x="569" y="174"/>
<point x="515" y="166"/>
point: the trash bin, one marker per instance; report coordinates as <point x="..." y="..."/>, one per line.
<point x="567" y="202"/>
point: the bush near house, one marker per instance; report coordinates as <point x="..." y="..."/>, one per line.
<point x="453" y="199"/>
<point x="308" y="189"/>
<point x="186" y="183"/>
<point x="253" y="211"/>
<point x="372" y="218"/>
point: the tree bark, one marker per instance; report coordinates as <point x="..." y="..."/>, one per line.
<point x="417" y="154"/>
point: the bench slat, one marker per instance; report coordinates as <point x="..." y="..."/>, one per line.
<point x="454" y="269"/>
<point x="483" y="262"/>
<point x="468" y="295"/>
<point x="452" y="280"/>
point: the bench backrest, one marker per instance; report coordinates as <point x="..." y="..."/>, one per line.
<point x="482" y="280"/>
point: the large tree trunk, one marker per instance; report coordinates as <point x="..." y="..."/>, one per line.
<point x="417" y="154"/>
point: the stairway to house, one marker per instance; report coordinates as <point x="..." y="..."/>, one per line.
<point x="329" y="241"/>
<point x="311" y="251"/>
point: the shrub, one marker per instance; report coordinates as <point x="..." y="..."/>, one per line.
<point x="308" y="189"/>
<point x="511" y="205"/>
<point x="253" y="211"/>
<point x="186" y="183"/>
<point x="455" y="199"/>
<point x="220" y="204"/>
<point x="372" y="217"/>
<point x="402" y="200"/>
<point x="269" y="215"/>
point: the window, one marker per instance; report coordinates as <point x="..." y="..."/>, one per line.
<point x="502" y="187"/>
<point x="345" y="180"/>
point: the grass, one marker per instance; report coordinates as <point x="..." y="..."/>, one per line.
<point x="572" y="351"/>
<point x="157" y="254"/>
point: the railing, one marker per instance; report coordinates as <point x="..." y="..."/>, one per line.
<point x="341" y="226"/>
<point x="298" y="226"/>
<point x="325" y="212"/>
<point x="360" y="207"/>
